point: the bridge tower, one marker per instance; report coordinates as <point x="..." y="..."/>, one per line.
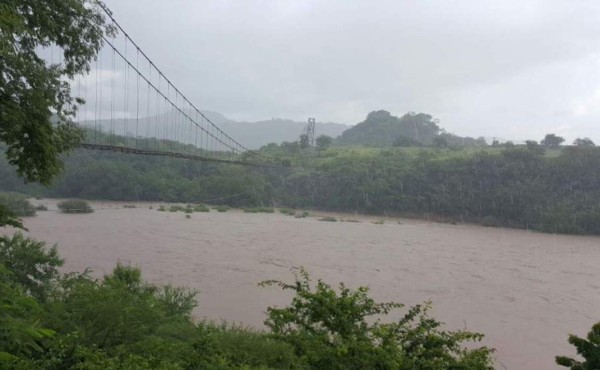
<point x="310" y="131"/>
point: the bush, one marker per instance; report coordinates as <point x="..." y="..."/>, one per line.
<point x="162" y="208"/>
<point x="328" y="219"/>
<point x="41" y="207"/>
<point x="175" y="208"/>
<point x="287" y="211"/>
<point x="75" y="206"/>
<point x="222" y="208"/>
<point x="336" y="329"/>
<point x="129" y="206"/>
<point x="17" y="204"/>
<point x="259" y="210"/>
<point x="188" y="210"/>
<point x="201" y="208"/>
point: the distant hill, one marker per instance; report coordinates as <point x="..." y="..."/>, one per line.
<point x="276" y="130"/>
<point x="381" y="129"/>
<point x="253" y="135"/>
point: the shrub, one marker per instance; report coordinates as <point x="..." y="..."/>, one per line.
<point x="350" y="220"/>
<point x="287" y="211"/>
<point x="129" y="206"/>
<point x="175" y="208"/>
<point x="162" y="209"/>
<point x="328" y="219"/>
<point x="335" y="329"/>
<point x="188" y="216"/>
<point x="222" y="208"/>
<point x="17" y="204"/>
<point x="259" y="210"/>
<point x="201" y="208"/>
<point x="380" y="222"/>
<point x="188" y="210"/>
<point x="75" y="206"/>
<point x="41" y="207"/>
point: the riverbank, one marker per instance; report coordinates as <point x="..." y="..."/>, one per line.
<point x="526" y="291"/>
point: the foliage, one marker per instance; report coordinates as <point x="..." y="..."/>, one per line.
<point x="332" y="329"/>
<point x="380" y="129"/>
<point x="287" y="211"/>
<point x="552" y="141"/>
<point x="8" y="218"/>
<point x="41" y="207"/>
<point x="328" y="219"/>
<point x="20" y="330"/>
<point x="201" y="208"/>
<point x="75" y="206"/>
<point x="323" y="141"/>
<point x="259" y="210"/>
<point x="33" y="266"/>
<point x="123" y="322"/>
<point x="585" y="142"/>
<point x="222" y="208"/>
<point x="527" y="186"/>
<point x="36" y="104"/>
<point x="17" y="204"/>
<point x="405" y="141"/>
<point x="588" y="348"/>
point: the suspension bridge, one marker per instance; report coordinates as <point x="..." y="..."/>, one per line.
<point x="132" y="107"/>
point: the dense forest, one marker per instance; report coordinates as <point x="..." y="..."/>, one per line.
<point x="515" y="186"/>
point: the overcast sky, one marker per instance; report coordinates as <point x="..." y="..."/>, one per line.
<point x="515" y="69"/>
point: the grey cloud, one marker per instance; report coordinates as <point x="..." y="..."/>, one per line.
<point x="496" y="68"/>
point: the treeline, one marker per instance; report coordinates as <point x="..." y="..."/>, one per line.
<point x="516" y="186"/>
<point x="54" y="321"/>
<point x="114" y="176"/>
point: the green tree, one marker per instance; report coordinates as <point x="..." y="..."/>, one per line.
<point x="406" y="141"/>
<point x="552" y="141"/>
<point x="36" y="104"/>
<point x="440" y="142"/>
<point x="323" y="141"/>
<point x="31" y="265"/>
<point x="585" y="142"/>
<point x="588" y="348"/>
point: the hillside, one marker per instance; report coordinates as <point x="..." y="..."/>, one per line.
<point x="380" y="129"/>
<point x="250" y="134"/>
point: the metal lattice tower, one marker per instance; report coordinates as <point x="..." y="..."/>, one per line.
<point x="310" y="131"/>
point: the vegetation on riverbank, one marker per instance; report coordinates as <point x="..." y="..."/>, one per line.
<point x="517" y="186"/>
<point x="72" y="321"/>
<point x="17" y="204"/>
<point x="75" y="206"/>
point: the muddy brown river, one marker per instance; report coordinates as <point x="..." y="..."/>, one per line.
<point x="525" y="291"/>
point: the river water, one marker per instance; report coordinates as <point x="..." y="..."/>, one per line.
<point x="525" y="291"/>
